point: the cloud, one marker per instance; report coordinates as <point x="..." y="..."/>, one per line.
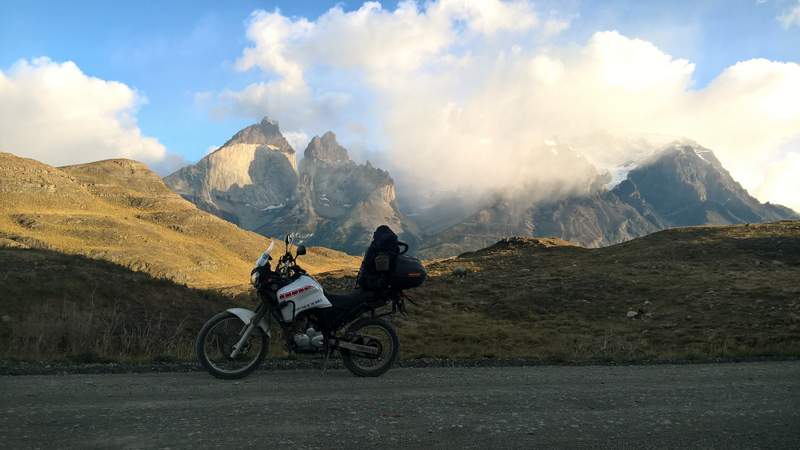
<point x="781" y="181"/>
<point x="790" y="18"/>
<point x="55" y="113"/>
<point x="464" y="95"/>
<point x="369" y="42"/>
<point x="298" y="140"/>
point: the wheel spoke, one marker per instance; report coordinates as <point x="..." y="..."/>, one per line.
<point x="219" y="343"/>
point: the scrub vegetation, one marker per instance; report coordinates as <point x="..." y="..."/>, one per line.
<point x="684" y="293"/>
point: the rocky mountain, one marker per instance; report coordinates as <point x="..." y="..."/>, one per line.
<point x="254" y="182"/>
<point x="339" y="202"/>
<point x="120" y="211"/>
<point x="253" y="173"/>
<point x="682" y="185"/>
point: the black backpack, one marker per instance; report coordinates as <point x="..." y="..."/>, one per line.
<point x="380" y="259"/>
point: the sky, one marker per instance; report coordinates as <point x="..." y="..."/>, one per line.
<point x="477" y="83"/>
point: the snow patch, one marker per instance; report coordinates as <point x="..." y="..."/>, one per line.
<point x="699" y="153"/>
<point x="271" y="207"/>
<point x="620" y="174"/>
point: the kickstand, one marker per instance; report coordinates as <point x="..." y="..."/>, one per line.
<point x="325" y="362"/>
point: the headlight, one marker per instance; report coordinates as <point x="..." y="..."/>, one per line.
<point x="254" y="278"/>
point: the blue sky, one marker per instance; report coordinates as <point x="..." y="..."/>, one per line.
<point x="168" y="51"/>
<point x="407" y="85"/>
<point x="165" y="50"/>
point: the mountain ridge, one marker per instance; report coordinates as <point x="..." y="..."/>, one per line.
<point x="684" y="184"/>
<point x="328" y="197"/>
<point x="338" y="203"/>
<point x="120" y="211"/>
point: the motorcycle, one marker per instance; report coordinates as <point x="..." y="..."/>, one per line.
<point x="233" y="343"/>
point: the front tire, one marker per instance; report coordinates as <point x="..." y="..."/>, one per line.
<point x="376" y="333"/>
<point x="216" y="340"/>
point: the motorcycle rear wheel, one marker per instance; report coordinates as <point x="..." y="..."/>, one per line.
<point x="215" y="343"/>
<point x="375" y="333"/>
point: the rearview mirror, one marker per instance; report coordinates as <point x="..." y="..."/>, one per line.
<point x="301" y="250"/>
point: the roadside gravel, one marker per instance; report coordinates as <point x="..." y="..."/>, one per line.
<point x="67" y="367"/>
<point x="731" y="406"/>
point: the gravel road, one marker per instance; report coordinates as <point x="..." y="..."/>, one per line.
<point x="742" y="405"/>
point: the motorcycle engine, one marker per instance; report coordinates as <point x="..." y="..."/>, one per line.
<point x="311" y="339"/>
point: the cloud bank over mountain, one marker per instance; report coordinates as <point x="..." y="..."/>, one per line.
<point x="464" y="95"/>
<point x="55" y="113"/>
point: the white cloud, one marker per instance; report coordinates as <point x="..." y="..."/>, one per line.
<point x="781" y="181"/>
<point x="464" y="96"/>
<point x="55" y="113"/>
<point x="297" y="139"/>
<point x="790" y="18"/>
<point x="369" y="42"/>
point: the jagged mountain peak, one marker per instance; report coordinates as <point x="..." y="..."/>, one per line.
<point x="253" y="181"/>
<point x="267" y="132"/>
<point x="266" y="120"/>
<point x="680" y="184"/>
<point x="326" y="148"/>
<point x="688" y="151"/>
<point x="255" y="171"/>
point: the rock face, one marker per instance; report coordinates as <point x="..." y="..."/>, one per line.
<point x="326" y="148"/>
<point x="265" y="133"/>
<point x="253" y="173"/>
<point x="253" y="181"/>
<point x="683" y="185"/>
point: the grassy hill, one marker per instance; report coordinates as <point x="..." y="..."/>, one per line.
<point x="700" y="292"/>
<point x="119" y="211"/>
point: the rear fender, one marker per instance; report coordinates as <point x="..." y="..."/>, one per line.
<point x="245" y="315"/>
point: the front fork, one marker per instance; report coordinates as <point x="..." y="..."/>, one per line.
<point x="261" y="311"/>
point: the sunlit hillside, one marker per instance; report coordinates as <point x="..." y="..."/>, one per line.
<point x="120" y="211"/>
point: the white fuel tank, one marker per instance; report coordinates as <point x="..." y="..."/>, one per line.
<point x="304" y="293"/>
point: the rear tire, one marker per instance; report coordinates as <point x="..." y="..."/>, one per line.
<point x="357" y="364"/>
<point x="252" y="362"/>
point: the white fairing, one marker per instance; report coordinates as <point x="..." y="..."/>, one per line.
<point x="305" y="293"/>
<point x="245" y="315"/>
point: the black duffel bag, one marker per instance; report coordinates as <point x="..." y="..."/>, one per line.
<point x="385" y="265"/>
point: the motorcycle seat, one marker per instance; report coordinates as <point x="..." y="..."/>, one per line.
<point x="350" y="300"/>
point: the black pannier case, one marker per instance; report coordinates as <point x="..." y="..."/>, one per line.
<point x="408" y="273"/>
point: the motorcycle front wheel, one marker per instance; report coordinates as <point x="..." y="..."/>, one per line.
<point x="374" y="333"/>
<point x="215" y="344"/>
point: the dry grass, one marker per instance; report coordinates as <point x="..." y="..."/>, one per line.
<point x="119" y="211"/>
<point x="88" y="333"/>
<point x="705" y="292"/>
<point x="57" y="306"/>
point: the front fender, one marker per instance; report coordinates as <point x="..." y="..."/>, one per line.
<point x="245" y="315"/>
